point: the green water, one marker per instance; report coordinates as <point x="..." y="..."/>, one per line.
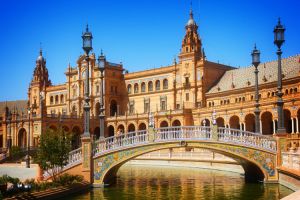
<point x="160" y="182"/>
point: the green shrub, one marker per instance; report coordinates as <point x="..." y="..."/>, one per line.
<point x="67" y="179"/>
<point x="16" y="152"/>
<point x="7" y="179"/>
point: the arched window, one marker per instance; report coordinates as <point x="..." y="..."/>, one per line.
<point x="56" y="99"/>
<point x="157" y="85"/>
<point x="295" y="90"/>
<point x="113" y="108"/>
<point x="150" y="86"/>
<point x="143" y="87"/>
<point x="136" y="88"/>
<point x="165" y="84"/>
<point x="62" y="98"/>
<point x="129" y="89"/>
<point x="51" y="100"/>
<point x="74" y="110"/>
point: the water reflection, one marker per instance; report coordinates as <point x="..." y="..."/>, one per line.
<point x="159" y="182"/>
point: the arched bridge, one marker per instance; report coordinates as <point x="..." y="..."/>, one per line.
<point x="255" y="152"/>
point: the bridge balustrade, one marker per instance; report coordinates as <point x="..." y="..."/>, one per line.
<point x="181" y="133"/>
<point x="121" y="141"/>
<point x="246" y="138"/>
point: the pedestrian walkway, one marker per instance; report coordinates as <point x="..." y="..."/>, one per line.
<point x="19" y="170"/>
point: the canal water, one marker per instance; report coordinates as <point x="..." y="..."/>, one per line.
<point x="143" y="182"/>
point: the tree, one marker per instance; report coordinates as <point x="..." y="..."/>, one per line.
<point x="53" y="151"/>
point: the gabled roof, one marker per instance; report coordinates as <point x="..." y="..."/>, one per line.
<point x="244" y="77"/>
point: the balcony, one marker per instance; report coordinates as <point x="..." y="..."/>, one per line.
<point x="187" y="85"/>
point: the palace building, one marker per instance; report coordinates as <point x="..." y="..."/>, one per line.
<point x="185" y="93"/>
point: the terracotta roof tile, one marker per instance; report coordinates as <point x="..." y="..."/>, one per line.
<point x="244" y="77"/>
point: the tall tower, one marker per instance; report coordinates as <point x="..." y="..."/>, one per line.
<point x="191" y="43"/>
<point x="38" y="84"/>
<point x="190" y="60"/>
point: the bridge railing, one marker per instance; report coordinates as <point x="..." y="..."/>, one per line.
<point x="202" y="133"/>
<point x="75" y="156"/>
<point x="119" y="141"/>
<point x="183" y="132"/>
<point x="246" y="138"/>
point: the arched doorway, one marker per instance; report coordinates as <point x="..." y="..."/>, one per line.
<point x="176" y="123"/>
<point x="234" y="122"/>
<point x="287" y="120"/>
<point x="220" y="122"/>
<point x="131" y="128"/>
<point x="113" y="108"/>
<point x="163" y="124"/>
<point x="111" y="131"/>
<point x="142" y="126"/>
<point x="76" y="142"/>
<point x="250" y="122"/>
<point x="97" y="133"/>
<point x="97" y="109"/>
<point x="120" y="129"/>
<point x="267" y="123"/>
<point x="22" y="138"/>
<point x="205" y="122"/>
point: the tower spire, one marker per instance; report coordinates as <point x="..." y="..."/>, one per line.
<point x="191" y="10"/>
<point x="41" y="49"/>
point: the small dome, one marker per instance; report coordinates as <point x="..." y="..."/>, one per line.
<point x="40" y="57"/>
<point x="191" y="21"/>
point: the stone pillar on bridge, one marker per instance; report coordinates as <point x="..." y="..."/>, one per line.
<point x="87" y="159"/>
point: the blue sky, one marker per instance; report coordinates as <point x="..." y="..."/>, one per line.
<point x="142" y="34"/>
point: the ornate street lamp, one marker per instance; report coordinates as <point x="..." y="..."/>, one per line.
<point x="255" y="61"/>
<point x="28" y="137"/>
<point x="278" y="41"/>
<point x="87" y="47"/>
<point x="101" y="65"/>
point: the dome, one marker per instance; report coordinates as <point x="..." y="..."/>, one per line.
<point x="40" y="57"/>
<point x="191" y="21"/>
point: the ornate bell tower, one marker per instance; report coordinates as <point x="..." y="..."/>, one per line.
<point x="39" y="82"/>
<point x="191" y="58"/>
<point x="191" y="43"/>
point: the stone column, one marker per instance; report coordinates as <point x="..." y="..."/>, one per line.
<point x="260" y="126"/>
<point x="244" y="126"/>
<point x="293" y="127"/>
<point x="274" y="126"/>
<point x="297" y="125"/>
